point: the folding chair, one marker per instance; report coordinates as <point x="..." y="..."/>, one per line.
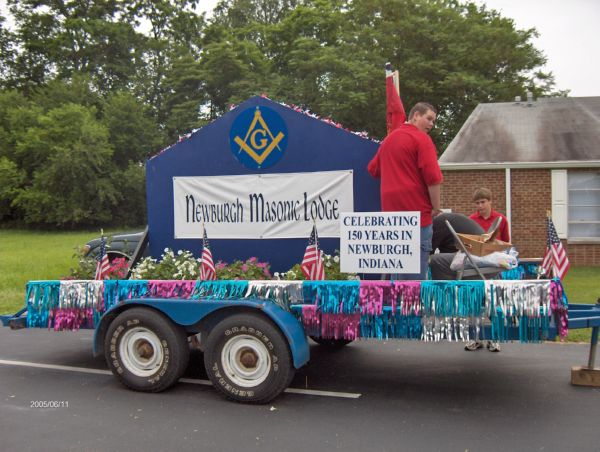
<point x="481" y="272"/>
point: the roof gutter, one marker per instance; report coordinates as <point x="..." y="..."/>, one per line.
<point x="520" y="165"/>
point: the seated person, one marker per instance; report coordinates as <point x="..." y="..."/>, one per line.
<point x="485" y="215"/>
<point x="440" y="263"/>
<point x="442" y="237"/>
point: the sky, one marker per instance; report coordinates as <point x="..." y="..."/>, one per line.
<point x="568" y="37"/>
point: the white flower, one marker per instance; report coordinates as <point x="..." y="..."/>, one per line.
<point x="276" y="274"/>
<point x="336" y="259"/>
<point x="166" y="250"/>
<point x="328" y="264"/>
<point x="179" y="253"/>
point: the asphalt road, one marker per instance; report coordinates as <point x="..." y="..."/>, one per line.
<point x="395" y="396"/>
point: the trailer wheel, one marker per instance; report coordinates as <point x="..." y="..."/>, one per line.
<point x="145" y="350"/>
<point x="331" y="343"/>
<point x="248" y="359"/>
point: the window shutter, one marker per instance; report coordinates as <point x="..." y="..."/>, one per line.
<point x="560" y="198"/>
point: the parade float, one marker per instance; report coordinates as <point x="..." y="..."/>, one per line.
<point x="257" y="181"/>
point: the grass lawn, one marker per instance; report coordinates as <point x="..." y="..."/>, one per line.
<point x="35" y="255"/>
<point x="582" y="285"/>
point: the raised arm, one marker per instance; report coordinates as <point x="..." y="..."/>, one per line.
<point x="395" y="114"/>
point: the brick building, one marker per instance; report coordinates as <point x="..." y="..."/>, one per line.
<point x="535" y="157"/>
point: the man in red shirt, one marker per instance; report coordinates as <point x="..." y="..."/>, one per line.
<point x="485" y="215"/>
<point x="410" y="174"/>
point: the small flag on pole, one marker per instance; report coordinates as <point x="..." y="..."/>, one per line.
<point x="555" y="262"/>
<point x="207" y="267"/>
<point x="312" y="264"/>
<point x="103" y="264"/>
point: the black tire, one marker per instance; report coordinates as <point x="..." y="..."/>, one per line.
<point x="248" y="359"/>
<point x="145" y="350"/>
<point x="331" y="343"/>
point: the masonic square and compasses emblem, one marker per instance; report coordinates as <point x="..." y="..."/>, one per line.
<point x="258" y="137"/>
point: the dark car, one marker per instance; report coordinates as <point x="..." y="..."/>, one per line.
<point x="118" y="245"/>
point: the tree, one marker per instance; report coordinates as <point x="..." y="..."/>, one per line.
<point x="71" y="184"/>
<point x="7" y="52"/>
<point x="184" y="97"/>
<point x="60" y="38"/>
<point x="11" y="179"/>
<point x="133" y="132"/>
<point x="174" y="31"/>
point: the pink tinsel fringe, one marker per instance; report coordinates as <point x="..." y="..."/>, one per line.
<point x="330" y="326"/>
<point x="373" y="294"/>
<point x="71" y="318"/>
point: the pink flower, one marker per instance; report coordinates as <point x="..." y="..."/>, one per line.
<point x="253" y="259"/>
<point x="244" y="268"/>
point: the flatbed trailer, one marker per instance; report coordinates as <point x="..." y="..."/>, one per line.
<point x="254" y="333"/>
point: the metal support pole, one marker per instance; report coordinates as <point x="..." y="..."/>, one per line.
<point x="593" y="345"/>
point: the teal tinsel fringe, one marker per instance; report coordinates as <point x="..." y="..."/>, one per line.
<point x="40" y="298"/>
<point x="333" y="297"/>
<point x="220" y="289"/>
<point x="452" y="298"/>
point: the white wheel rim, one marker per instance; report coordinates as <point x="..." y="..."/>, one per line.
<point x="246" y="361"/>
<point x="141" y="351"/>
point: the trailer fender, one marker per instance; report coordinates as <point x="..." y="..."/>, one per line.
<point x="188" y="313"/>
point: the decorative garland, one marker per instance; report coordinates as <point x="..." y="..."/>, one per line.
<point x="425" y="310"/>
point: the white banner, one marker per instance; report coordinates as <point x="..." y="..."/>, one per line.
<point x="380" y="242"/>
<point x="262" y="206"/>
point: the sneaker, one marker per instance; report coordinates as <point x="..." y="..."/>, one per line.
<point x="473" y="345"/>
<point x="493" y="346"/>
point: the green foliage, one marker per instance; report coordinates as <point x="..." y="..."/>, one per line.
<point x="131" y="183"/>
<point x="11" y="179"/>
<point x="133" y="132"/>
<point x="69" y="144"/>
<point x="185" y="96"/>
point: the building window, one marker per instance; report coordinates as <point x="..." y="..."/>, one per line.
<point x="583" y="205"/>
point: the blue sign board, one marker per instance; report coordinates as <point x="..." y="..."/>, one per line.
<point x="257" y="137"/>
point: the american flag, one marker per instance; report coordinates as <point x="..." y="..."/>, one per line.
<point x="103" y="265"/>
<point x="556" y="262"/>
<point x="207" y="267"/>
<point x="312" y="264"/>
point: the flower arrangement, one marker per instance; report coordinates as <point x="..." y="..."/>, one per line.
<point x="250" y="269"/>
<point x="118" y="268"/>
<point x="182" y="265"/>
<point x="87" y="268"/>
<point x="332" y="270"/>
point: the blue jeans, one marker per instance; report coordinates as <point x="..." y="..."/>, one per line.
<point x="426" y="235"/>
